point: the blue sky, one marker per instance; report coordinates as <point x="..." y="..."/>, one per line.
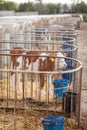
<point x="49" y="1"/>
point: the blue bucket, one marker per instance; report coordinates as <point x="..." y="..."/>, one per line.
<point x="60" y="86"/>
<point x="67" y="76"/>
<point x="53" y="123"/>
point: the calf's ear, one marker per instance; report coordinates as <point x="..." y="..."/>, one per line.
<point x="52" y="59"/>
<point x="65" y="55"/>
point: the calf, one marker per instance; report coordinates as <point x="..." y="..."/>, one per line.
<point x="23" y="59"/>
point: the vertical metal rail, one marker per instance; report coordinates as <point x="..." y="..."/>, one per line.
<point x="80" y="86"/>
<point x="15" y="101"/>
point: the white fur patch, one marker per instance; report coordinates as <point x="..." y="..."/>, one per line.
<point x="19" y="60"/>
<point x="43" y="56"/>
<point x="34" y="66"/>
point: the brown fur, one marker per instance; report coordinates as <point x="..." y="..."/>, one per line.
<point x="46" y="65"/>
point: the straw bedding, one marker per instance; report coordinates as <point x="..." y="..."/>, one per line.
<point x="29" y="120"/>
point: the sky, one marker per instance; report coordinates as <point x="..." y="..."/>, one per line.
<point x="48" y="1"/>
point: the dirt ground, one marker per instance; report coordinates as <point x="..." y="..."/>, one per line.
<point x="82" y="56"/>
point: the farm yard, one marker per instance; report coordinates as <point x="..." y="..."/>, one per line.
<point x="29" y="94"/>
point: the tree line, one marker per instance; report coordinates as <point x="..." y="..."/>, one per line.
<point x="43" y="8"/>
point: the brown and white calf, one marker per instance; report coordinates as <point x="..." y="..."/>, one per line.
<point x="23" y="59"/>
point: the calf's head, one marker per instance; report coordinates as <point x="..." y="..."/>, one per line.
<point x="61" y="60"/>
